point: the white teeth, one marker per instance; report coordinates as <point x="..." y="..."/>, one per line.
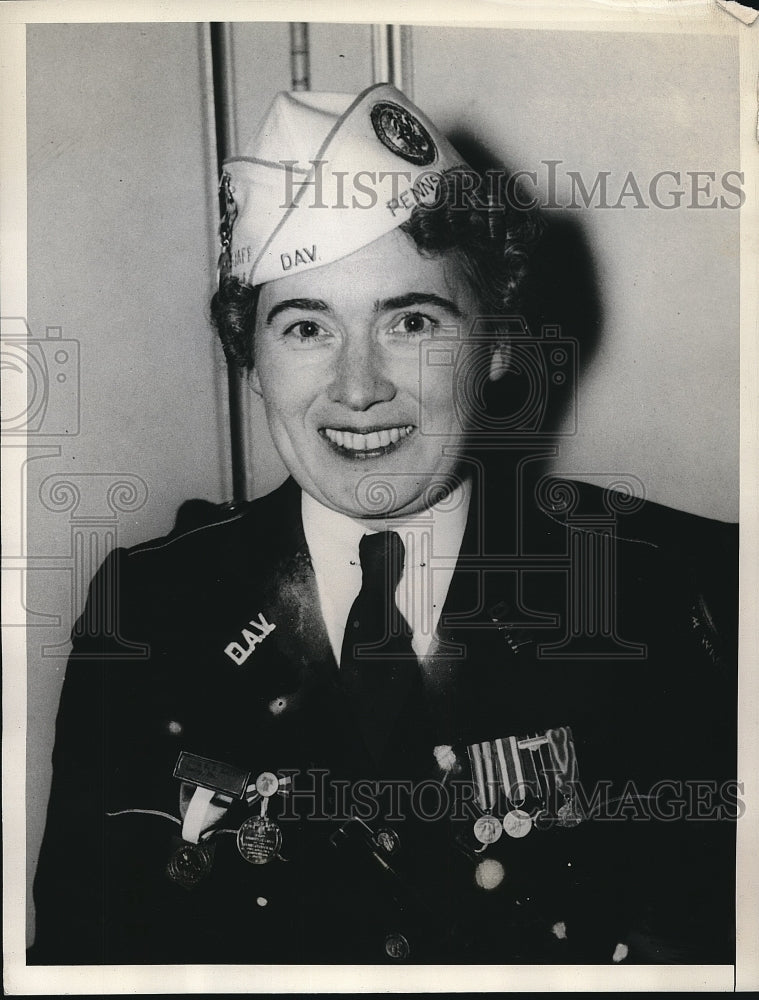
<point x="354" y="441"/>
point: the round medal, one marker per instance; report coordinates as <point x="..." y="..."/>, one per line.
<point x="259" y="840"/>
<point x="387" y="839"/>
<point x="189" y="864"/>
<point x="487" y="829"/>
<point x="267" y="784"/>
<point x="568" y="815"/>
<point x="396" y="946"/>
<point x="543" y="821"/>
<point x="517" y="823"/>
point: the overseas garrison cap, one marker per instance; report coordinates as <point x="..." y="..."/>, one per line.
<point x="325" y="175"/>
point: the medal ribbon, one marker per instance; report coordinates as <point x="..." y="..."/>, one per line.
<point x="483" y="772"/>
<point x="532" y="767"/>
<point x="533" y="783"/>
<point x="547" y="775"/>
<point x="512" y="772"/>
<point x="562" y="749"/>
<point x="197" y="813"/>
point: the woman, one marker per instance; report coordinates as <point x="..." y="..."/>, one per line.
<point x="373" y="716"/>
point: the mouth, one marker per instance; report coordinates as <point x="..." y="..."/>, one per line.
<point x="369" y="443"/>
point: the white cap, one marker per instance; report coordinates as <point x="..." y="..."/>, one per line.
<point x="325" y="175"/>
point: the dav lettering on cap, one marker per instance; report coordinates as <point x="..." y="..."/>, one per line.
<point x="240" y="651"/>
<point x="297" y="258"/>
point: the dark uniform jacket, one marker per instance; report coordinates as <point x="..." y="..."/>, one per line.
<point x="606" y="623"/>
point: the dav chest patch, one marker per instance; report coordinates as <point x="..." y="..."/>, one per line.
<point x="254" y="634"/>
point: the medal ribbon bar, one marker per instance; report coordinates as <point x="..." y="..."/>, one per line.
<point x="528" y="767"/>
<point x="214" y="774"/>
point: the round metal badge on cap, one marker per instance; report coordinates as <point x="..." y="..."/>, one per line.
<point x="403" y="133"/>
<point x="189" y="864"/>
<point x="487" y="829"/>
<point x="259" y="840"/>
<point x="517" y="823"/>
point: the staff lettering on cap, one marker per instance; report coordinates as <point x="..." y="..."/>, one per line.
<point x="242" y="255"/>
<point x="239" y="653"/>
<point x="305" y="256"/>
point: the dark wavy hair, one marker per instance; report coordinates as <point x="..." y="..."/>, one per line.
<point x="476" y="219"/>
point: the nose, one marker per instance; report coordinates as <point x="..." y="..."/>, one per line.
<point x="361" y="378"/>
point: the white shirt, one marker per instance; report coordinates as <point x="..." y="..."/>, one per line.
<point x="432" y="539"/>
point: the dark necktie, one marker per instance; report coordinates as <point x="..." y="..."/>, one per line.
<point x="378" y="668"/>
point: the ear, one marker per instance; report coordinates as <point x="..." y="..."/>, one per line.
<point x="499" y="360"/>
<point x="254" y="382"/>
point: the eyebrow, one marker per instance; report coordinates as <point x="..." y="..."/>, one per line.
<point x="418" y="299"/>
<point x="381" y="305"/>
<point x="308" y="305"/>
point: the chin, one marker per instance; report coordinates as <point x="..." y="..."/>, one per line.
<point x="375" y="498"/>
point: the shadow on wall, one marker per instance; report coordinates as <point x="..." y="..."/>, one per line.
<point x="561" y="293"/>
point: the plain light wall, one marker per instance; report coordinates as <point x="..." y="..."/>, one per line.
<point x="122" y="254"/>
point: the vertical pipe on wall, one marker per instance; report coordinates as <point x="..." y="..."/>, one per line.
<point x="300" y="65"/>
<point x="394" y="55"/>
<point x="406" y="60"/>
<point x="223" y="90"/>
<point x="391" y="55"/>
<point x="226" y="143"/>
<point x="380" y="54"/>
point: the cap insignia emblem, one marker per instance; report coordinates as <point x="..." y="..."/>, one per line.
<point x="402" y="133"/>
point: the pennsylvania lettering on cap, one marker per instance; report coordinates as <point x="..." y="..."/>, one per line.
<point x="327" y="174"/>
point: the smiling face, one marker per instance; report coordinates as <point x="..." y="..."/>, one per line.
<point x="354" y="409"/>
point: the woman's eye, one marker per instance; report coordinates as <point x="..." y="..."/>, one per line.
<point x="414" y="324"/>
<point x="306" y="330"/>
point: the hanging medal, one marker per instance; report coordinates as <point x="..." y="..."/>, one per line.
<point x="517" y="823"/>
<point x="190" y="863"/>
<point x="259" y="839"/>
<point x="562" y="750"/>
<point x="487" y="828"/>
<point x="540" y="770"/>
<point x="546" y="817"/>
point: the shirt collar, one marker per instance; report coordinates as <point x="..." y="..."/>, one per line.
<point x="333" y="538"/>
